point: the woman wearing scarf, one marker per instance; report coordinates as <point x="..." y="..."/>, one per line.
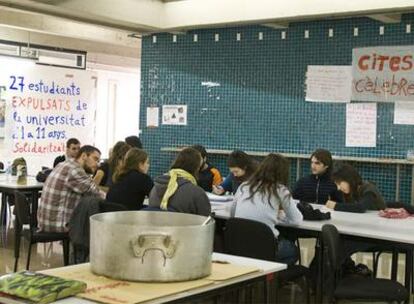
<point x="177" y="190"/>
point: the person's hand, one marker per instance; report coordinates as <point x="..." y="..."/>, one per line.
<point x="218" y="190"/>
<point x="330" y="204"/>
<point x="102" y="194"/>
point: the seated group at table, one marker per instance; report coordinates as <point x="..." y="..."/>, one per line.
<point x="261" y="190"/>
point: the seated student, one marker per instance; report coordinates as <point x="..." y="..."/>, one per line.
<point x="105" y="172"/>
<point x="65" y="187"/>
<point x="131" y="182"/>
<point x="72" y="149"/>
<point x="318" y="187"/>
<point x="241" y="166"/>
<point x="359" y="195"/>
<point x="264" y="195"/>
<point x="134" y="141"/>
<point x="177" y="190"/>
<point x="208" y="176"/>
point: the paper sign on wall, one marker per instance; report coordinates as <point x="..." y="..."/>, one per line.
<point x="45" y="106"/>
<point x="328" y="83"/>
<point x="174" y="115"/>
<point x="404" y="113"/>
<point x="383" y="73"/>
<point x="152" y="116"/>
<point x="361" y="125"/>
<point x="2" y="111"/>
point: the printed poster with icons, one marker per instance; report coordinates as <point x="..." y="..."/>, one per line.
<point x="174" y="115"/>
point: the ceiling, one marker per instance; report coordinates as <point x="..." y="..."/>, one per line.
<point x="107" y="24"/>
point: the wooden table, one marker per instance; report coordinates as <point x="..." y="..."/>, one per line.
<point x="215" y="288"/>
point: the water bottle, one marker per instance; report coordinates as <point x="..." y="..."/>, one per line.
<point x="8" y="170"/>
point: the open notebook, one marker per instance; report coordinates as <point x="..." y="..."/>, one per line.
<point x="219" y="198"/>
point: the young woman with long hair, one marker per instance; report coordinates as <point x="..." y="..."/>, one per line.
<point x="359" y="195"/>
<point x="131" y="181"/>
<point x="177" y="190"/>
<point x="263" y="197"/>
<point x="104" y="174"/>
<point x="241" y="166"/>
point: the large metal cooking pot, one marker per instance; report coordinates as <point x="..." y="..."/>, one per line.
<point x="154" y="246"/>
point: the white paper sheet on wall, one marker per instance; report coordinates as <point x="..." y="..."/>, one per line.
<point x="153" y="116"/>
<point x="404" y="113"/>
<point x="361" y="125"/>
<point x="328" y="83"/>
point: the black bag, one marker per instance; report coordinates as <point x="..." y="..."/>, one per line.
<point x="43" y="174"/>
<point x="311" y="214"/>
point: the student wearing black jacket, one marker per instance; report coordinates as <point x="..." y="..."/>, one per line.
<point x="359" y="195"/>
<point x="131" y="182"/>
<point x="72" y="149"/>
<point x="318" y="187"/>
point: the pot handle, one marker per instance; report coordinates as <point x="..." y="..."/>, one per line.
<point x="147" y="242"/>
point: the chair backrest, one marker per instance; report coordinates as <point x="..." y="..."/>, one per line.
<point x="22" y="208"/>
<point x="333" y="247"/>
<point x="105" y="206"/>
<point x="250" y="238"/>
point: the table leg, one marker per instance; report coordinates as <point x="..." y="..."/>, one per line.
<point x="35" y="203"/>
<point x="408" y="269"/>
<point x="319" y="283"/>
<point x="394" y="264"/>
<point x="3" y="212"/>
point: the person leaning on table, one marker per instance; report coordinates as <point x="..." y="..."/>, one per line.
<point x="359" y="195"/>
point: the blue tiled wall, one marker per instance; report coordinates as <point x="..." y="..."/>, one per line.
<point x="260" y="102"/>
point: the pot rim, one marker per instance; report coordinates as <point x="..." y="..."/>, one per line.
<point x="99" y="218"/>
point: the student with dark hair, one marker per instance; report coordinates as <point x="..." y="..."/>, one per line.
<point x="359" y="195"/>
<point x="208" y="176"/>
<point x="241" y="166"/>
<point x="65" y="187"/>
<point x="263" y="197"/>
<point x="131" y="182"/>
<point x="72" y="149"/>
<point x="318" y="187"/>
<point x="177" y="190"/>
<point x="134" y="141"/>
<point x="105" y="172"/>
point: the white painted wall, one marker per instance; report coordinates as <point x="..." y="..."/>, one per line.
<point x="118" y="100"/>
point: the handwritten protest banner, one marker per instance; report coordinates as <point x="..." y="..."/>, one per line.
<point x="383" y="73"/>
<point x="45" y="106"/>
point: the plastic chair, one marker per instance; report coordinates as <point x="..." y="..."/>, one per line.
<point x="354" y="287"/>
<point x="249" y="238"/>
<point x="24" y="216"/>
